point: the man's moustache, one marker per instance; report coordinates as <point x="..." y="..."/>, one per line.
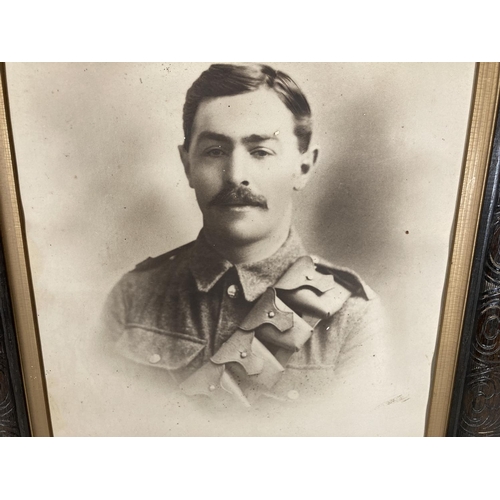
<point x="238" y="195"/>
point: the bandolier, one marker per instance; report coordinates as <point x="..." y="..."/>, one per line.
<point x="164" y="314"/>
<point x="253" y="359"/>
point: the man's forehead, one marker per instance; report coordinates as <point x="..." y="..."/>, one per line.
<point x="257" y="113"/>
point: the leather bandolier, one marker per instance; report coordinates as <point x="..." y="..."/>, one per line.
<point x="254" y="357"/>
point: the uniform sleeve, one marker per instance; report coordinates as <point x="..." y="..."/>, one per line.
<point x="364" y="379"/>
<point x="113" y="318"/>
<point x="364" y="348"/>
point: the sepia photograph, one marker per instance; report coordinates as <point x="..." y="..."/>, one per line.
<point x="238" y="249"/>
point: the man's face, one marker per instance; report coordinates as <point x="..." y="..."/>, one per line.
<point x="244" y="164"/>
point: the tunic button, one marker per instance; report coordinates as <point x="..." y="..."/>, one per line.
<point x="211" y="387"/>
<point x="293" y="395"/>
<point x="309" y="278"/>
<point x="233" y="291"/>
<point x="154" y="358"/>
<point x="243" y="354"/>
<point x="271" y="314"/>
<point x="172" y="257"/>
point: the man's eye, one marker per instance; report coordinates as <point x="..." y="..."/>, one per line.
<point x="261" y="153"/>
<point x="215" y="152"/>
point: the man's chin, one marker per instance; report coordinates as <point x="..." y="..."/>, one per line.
<point x="238" y="231"/>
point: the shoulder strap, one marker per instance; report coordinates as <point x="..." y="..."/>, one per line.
<point x="345" y="277"/>
<point x="153" y="262"/>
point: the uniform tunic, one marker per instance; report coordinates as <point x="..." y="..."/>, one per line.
<point x="175" y="311"/>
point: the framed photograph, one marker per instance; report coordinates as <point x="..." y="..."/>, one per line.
<point x="278" y="249"/>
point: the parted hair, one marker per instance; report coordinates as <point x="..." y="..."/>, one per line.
<point x="221" y="80"/>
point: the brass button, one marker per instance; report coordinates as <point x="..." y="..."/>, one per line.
<point x="154" y="358"/>
<point x="271" y="314"/>
<point x="293" y="395"/>
<point x="211" y="387"/>
<point x="172" y="257"/>
<point x="243" y="354"/>
<point x="233" y="291"/>
<point x="309" y="278"/>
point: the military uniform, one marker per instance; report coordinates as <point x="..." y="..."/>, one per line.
<point x="282" y="329"/>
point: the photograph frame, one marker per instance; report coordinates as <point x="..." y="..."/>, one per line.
<point x="473" y="193"/>
<point x="24" y="364"/>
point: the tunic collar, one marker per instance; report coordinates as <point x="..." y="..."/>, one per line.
<point x="208" y="266"/>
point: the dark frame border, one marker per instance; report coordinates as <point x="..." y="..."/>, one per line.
<point x="23" y="356"/>
<point x="472" y="194"/>
<point x="475" y="405"/>
<point x="13" y="410"/>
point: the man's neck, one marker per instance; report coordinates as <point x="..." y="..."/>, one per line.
<point x="250" y="252"/>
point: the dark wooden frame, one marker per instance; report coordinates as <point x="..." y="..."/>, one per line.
<point x="475" y="404"/>
<point x="24" y="408"/>
<point x="465" y="393"/>
<point x="13" y="410"/>
<point x="467" y="243"/>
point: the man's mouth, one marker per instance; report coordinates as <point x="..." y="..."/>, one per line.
<point x="239" y="207"/>
<point x="238" y="198"/>
<point x="239" y="204"/>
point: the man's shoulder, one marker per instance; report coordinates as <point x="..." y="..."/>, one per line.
<point x="345" y="277"/>
<point x="325" y="278"/>
<point x="155" y="272"/>
<point x="166" y="259"/>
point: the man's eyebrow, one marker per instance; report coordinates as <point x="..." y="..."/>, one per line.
<point x="259" y="138"/>
<point x="251" y="139"/>
<point x="213" y="136"/>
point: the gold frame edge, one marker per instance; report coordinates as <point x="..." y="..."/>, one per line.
<point x="19" y="278"/>
<point x="475" y="171"/>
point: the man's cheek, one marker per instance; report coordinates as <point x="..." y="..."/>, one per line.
<point x="206" y="190"/>
<point x="280" y="192"/>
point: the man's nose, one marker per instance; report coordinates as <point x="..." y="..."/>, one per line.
<point x="237" y="168"/>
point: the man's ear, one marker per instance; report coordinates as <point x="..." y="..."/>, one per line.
<point x="308" y="163"/>
<point x="185" y="161"/>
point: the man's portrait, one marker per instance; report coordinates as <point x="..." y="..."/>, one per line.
<point x="239" y="249"/>
<point x="244" y="312"/>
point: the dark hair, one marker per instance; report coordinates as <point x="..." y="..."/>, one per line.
<point x="222" y="80"/>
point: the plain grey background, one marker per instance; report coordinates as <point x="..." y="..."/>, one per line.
<point x="102" y="189"/>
